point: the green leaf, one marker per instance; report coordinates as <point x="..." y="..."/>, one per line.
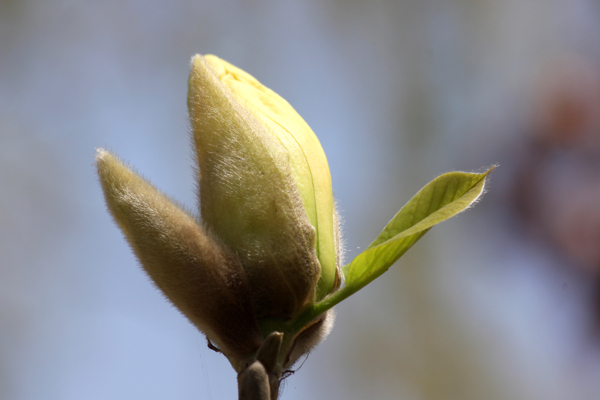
<point x="442" y="198"/>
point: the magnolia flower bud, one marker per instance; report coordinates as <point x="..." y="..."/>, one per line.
<point x="260" y="273"/>
<point x="267" y="246"/>
<point x="265" y="187"/>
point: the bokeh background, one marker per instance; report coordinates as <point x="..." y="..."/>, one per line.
<point x="502" y="302"/>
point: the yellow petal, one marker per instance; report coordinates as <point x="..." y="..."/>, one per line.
<point x="305" y="154"/>
<point x="249" y="199"/>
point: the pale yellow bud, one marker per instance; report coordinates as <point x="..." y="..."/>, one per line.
<point x="249" y="197"/>
<point x="304" y="155"/>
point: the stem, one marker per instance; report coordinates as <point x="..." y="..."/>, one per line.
<point x="319" y="308"/>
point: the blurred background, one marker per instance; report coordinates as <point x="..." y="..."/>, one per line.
<point x="502" y="302"/>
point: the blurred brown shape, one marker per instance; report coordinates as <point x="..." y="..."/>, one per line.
<point x="557" y="185"/>
<point x="556" y="193"/>
<point x="567" y="104"/>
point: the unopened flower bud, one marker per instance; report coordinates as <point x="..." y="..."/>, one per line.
<point x="260" y="273"/>
<point x="265" y="187"/>
<point x="267" y="247"/>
